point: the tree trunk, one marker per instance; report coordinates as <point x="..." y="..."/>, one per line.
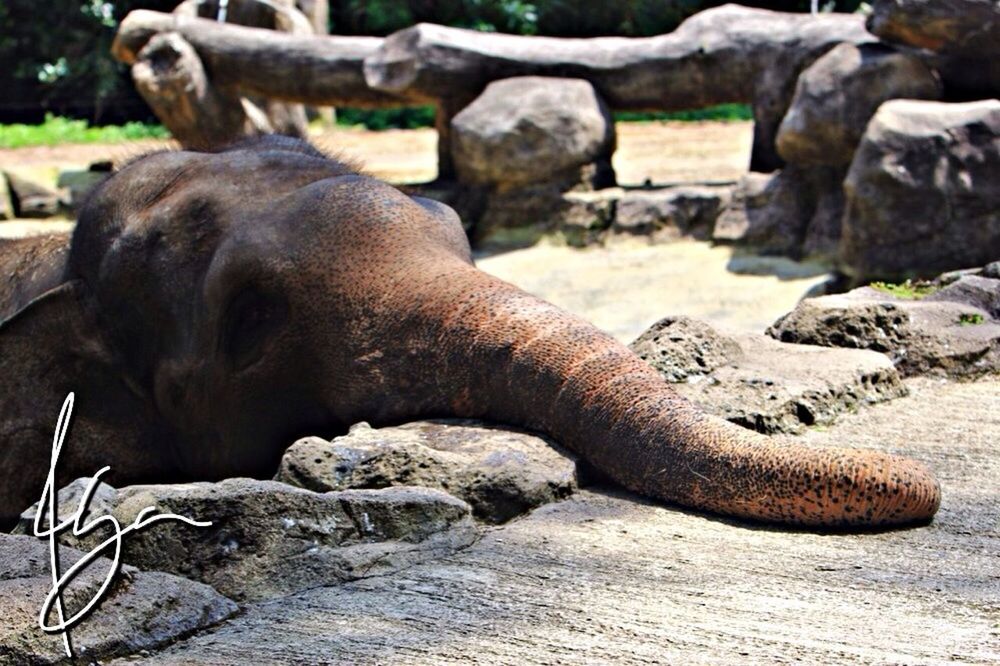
<point x="170" y="77"/>
<point x="312" y="69"/>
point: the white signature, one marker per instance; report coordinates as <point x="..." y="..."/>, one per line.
<point x="59" y="583"/>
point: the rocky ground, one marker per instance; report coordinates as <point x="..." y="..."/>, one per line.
<point x="458" y="543"/>
<point x="607" y="577"/>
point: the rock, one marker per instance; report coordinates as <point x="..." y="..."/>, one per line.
<point x="79" y="184"/>
<point x="142" y="610"/>
<point x="960" y="27"/>
<point x="669" y="213"/>
<point x="920" y="336"/>
<point x="837" y="95"/>
<point x="501" y="473"/>
<point x="794" y="212"/>
<point x="758" y="383"/>
<point x="30" y="199"/>
<point x="269" y="539"/>
<point x="519" y="217"/>
<point x="102" y="502"/>
<point x="529" y="130"/>
<point x="991" y="270"/>
<point x="922" y="192"/>
<point x="975" y="290"/>
<point x="681" y="347"/>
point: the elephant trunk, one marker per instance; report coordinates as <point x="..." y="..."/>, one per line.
<point x="496" y="352"/>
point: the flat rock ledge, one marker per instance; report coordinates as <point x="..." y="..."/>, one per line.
<point x="949" y="333"/>
<point x="143" y="610"/>
<point x="501" y="473"/>
<point x="761" y="384"/>
<point x="269" y="539"/>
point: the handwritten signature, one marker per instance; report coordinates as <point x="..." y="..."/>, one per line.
<point x="79" y="528"/>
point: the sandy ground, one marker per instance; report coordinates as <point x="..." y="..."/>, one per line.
<point x="625" y="288"/>
<point x="663" y="152"/>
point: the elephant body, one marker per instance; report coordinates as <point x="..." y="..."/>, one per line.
<point x="212" y="307"/>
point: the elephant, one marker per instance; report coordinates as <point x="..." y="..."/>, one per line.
<point x="212" y="307"/>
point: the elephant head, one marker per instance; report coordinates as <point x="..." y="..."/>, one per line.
<point x="212" y="307"/>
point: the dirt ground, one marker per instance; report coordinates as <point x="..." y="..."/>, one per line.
<point x="664" y="152"/>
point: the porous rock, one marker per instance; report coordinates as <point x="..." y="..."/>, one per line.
<point x="837" y="95"/>
<point x="501" y="473"/>
<point x="920" y="336"/>
<point x="268" y="538"/>
<point x="756" y="382"/>
<point x="978" y="291"/>
<point x="142" y="610"/>
<point x="526" y="130"/>
<point x="922" y="192"/>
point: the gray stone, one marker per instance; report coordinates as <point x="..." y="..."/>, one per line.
<point x="31" y="199"/>
<point x="79" y="184"/>
<point x="837" y="95"/>
<point x="991" y="270"/>
<point x="975" y="290"/>
<point x="669" y="213"/>
<point x="501" y="473"/>
<point x="526" y="130"/>
<point x="920" y="336"/>
<point x="960" y="27"/>
<point x="269" y="539"/>
<point x="793" y="212"/>
<point x="102" y="502"/>
<point x="768" y="386"/>
<point x="922" y="192"/>
<point x="142" y="610"/>
<point x="521" y="216"/>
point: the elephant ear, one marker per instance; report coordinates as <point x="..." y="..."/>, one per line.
<point x="49" y="348"/>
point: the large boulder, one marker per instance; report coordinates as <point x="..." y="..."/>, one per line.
<point x="269" y="539"/>
<point x="962" y="27"/>
<point x="529" y="130"/>
<point x="942" y="335"/>
<point x="922" y="193"/>
<point x="142" y="610"/>
<point x="837" y="95"/>
<point x="756" y="382"/>
<point x="500" y="472"/>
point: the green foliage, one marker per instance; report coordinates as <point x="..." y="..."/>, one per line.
<point x="721" y="112"/>
<point x="970" y="319"/>
<point x="56" y="130"/>
<point x="909" y="289"/>
<point x="379" y="119"/>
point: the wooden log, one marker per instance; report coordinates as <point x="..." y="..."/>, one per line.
<point x="170" y="77"/>
<point x="727" y="54"/>
<point x="287" y="118"/>
<point x="313" y="69"/>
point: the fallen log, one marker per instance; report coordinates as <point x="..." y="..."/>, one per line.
<point x="721" y="55"/>
<point x="170" y="77"/>
<point x="313" y="69"/>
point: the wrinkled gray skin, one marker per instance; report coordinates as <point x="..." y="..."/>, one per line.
<point x="213" y="307"/>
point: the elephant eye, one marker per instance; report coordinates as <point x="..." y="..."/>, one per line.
<point x="251" y="319"/>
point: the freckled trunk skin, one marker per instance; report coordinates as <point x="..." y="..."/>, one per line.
<point x="488" y="350"/>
